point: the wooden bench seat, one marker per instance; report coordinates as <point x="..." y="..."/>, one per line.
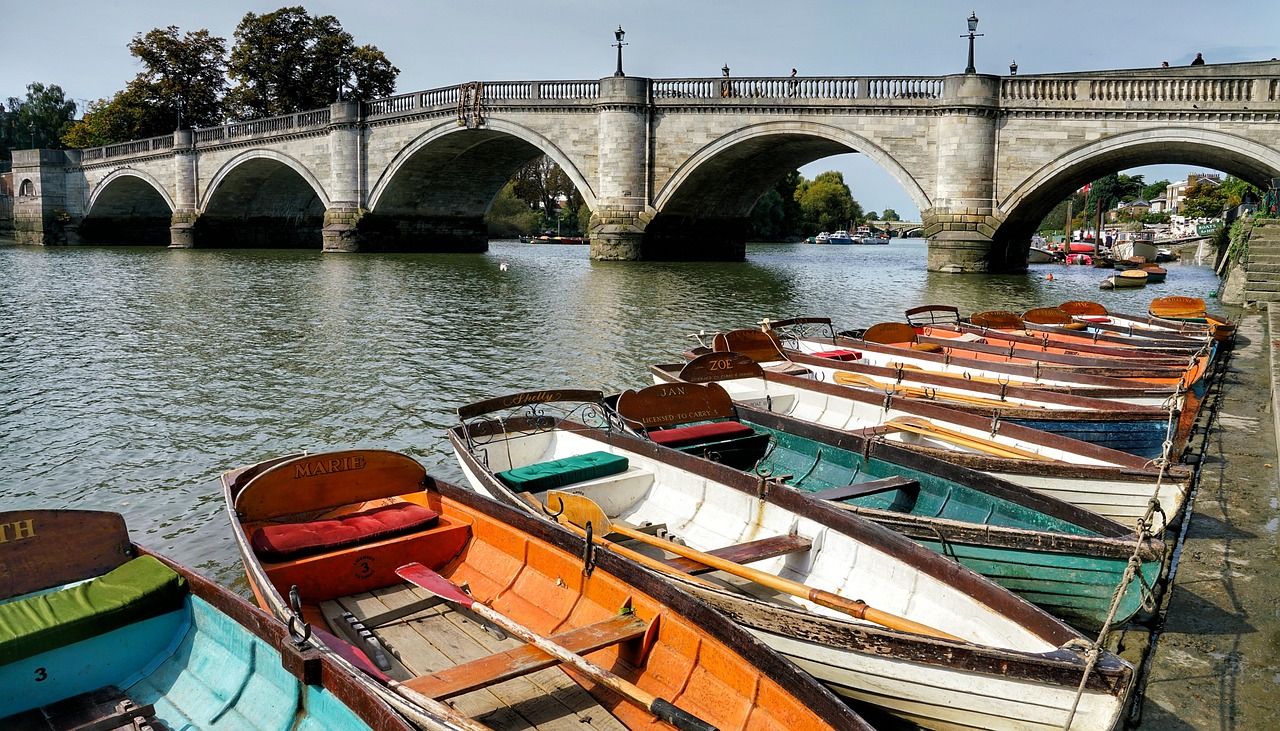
<point x="871" y="487"/>
<point x="526" y="659"/>
<point x="744" y="553"/>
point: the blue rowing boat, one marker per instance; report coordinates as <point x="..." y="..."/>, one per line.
<point x="98" y="633"/>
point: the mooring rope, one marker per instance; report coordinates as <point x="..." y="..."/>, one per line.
<point x="1142" y="530"/>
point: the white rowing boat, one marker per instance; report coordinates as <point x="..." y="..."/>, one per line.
<point x="1009" y="666"/>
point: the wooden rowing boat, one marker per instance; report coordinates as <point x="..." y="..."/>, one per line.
<point x="1127" y="279"/>
<point x="1114" y="484"/>
<point x="1192" y="309"/>
<point x="1060" y="322"/>
<point x="1028" y="329"/>
<point x="1012" y="666"/>
<point x="98" y="633"/>
<point x="1096" y="315"/>
<point x="1137" y="429"/>
<point x="816" y="336"/>
<point x="355" y="531"/>
<point x="1065" y="559"/>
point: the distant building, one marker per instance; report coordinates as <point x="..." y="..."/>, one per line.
<point x="1158" y="205"/>
<point x="1130" y="210"/>
<point x="1176" y="194"/>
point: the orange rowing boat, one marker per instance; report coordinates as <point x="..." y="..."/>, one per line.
<point x="336" y="531"/>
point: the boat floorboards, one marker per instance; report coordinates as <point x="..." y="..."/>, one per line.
<point x="440" y="637"/>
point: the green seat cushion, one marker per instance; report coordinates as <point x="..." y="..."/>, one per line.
<point x="560" y="472"/>
<point x="137" y="590"/>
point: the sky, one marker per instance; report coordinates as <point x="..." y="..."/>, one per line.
<point x="83" y="47"/>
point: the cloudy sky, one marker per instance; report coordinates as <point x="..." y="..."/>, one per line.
<point x="83" y="47"/>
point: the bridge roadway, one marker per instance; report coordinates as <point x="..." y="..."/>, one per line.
<point x="670" y="168"/>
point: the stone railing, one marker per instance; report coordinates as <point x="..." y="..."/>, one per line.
<point x="1144" y="88"/>
<point x="490" y="92"/>
<point x="847" y="88"/>
<point x="128" y="149"/>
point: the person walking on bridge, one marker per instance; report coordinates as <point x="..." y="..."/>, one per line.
<point x="1199" y="60"/>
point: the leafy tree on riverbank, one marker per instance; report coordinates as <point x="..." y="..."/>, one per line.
<point x="827" y="203"/>
<point x="776" y="216"/>
<point x="39" y="120"/>
<point x="181" y="85"/>
<point x="509" y="217"/>
<point x="288" y="61"/>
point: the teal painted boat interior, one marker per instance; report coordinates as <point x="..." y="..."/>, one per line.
<point x="201" y="670"/>
<point x="1076" y="587"/>
<point x="817" y="467"/>
<point x="1143" y="438"/>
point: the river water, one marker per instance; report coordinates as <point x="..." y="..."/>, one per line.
<point x="132" y="377"/>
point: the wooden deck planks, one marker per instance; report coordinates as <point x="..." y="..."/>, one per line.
<point x="440" y="638"/>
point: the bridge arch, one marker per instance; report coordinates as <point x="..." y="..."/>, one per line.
<point x="262" y="198"/>
<point x="702" y="210"/>
<point x="404" y="159"/>
<point x="1032" y="199"/>
<point x="128" y="206"/>
<point x="790" y="145"/>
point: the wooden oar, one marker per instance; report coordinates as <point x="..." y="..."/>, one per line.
<point x="429" y="580"/>
<point x="858" y="379"/>
<point x="580" y="511"/>
<point x="924" y="427"/>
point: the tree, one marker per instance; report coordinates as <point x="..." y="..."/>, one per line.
<point x="1204" y="200"/>
<point x="1237" y="191"/>
<point x="873" y="216"/>
<point x="1155" y="190"/>
<point x="39" y="121"/>
<point x="509" y="216"/>
<point x="827" y="203"/>
<point x="543" y="185"/>
<point x="182" y="84"/>
<point x="288" y="61"/>
<point x="776" y="216"/>
<point x="890" y="215"/>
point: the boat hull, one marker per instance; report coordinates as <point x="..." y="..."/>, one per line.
<point x="707" y="504"/>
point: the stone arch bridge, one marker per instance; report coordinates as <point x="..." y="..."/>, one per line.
<point x="669" y="167"/>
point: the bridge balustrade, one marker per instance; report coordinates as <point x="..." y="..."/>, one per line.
<point x="810" y="87"/>
<point x="1173" y="90"/>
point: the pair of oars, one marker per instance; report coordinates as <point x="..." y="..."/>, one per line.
<point x="858" y="379"/>
<point x="927" y="428"/>
<point x="423" y="577"/>
<point x="579" y="511"/>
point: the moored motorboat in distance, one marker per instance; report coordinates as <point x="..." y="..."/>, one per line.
<point x="1135" y="244"/>
<point x="840" y="237"/>
<point x="1127" y="279"/>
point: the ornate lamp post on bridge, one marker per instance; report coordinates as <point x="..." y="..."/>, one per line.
<point x="618" y="34"/>
<point x="1013" y="68"/>
<point x="973" y="26"/>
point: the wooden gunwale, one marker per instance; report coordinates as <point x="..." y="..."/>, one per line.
<point x="1060" y="666"/>
<point x="1119" y="459"/>
<point x="1149" y="339"/>
<point x="1074" y="406"/>
<point x="1113" y="539"/>
<point x="1072" y="340"/>
<point x="494" y="525"/>
<point x="1087" y="378"/>
<point x="1115" y="367"/>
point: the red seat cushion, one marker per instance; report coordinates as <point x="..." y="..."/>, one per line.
<point x="683" y="436"/>
<point x="295" y="540"/>
<point x="839" y="354"/>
